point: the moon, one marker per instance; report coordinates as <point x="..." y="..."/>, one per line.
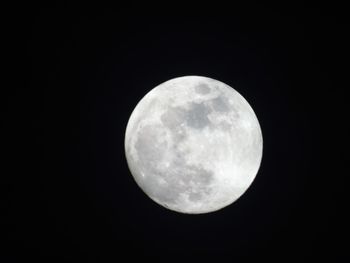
<point x="193" y="144"/>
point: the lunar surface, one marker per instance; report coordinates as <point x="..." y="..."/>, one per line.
<point x="193" y="144"/>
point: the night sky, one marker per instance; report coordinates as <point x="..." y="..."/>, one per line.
<point x="77" y="72"/>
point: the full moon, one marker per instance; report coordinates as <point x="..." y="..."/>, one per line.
<point x="193" y="144"/>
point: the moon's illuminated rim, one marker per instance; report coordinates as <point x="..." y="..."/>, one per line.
<point x="193" y="144"/>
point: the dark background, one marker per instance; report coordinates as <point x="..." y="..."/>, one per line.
<point x="79" y="71"/>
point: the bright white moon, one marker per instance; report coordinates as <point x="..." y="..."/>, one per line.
<point x="193" y="144"/>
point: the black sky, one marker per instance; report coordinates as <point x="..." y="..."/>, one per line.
<point x="79" y="71"/>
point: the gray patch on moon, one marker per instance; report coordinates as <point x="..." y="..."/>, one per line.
<point x="202" y="88"/>
<point x="173" y="117"/>
<point x="221" y="104"/>
<point x="225" y="126"/>
<point x="201" y="179"/>
<point x="179" y="134"/>
<point x="149" y="136"/>
<point x="197" y="116"/>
